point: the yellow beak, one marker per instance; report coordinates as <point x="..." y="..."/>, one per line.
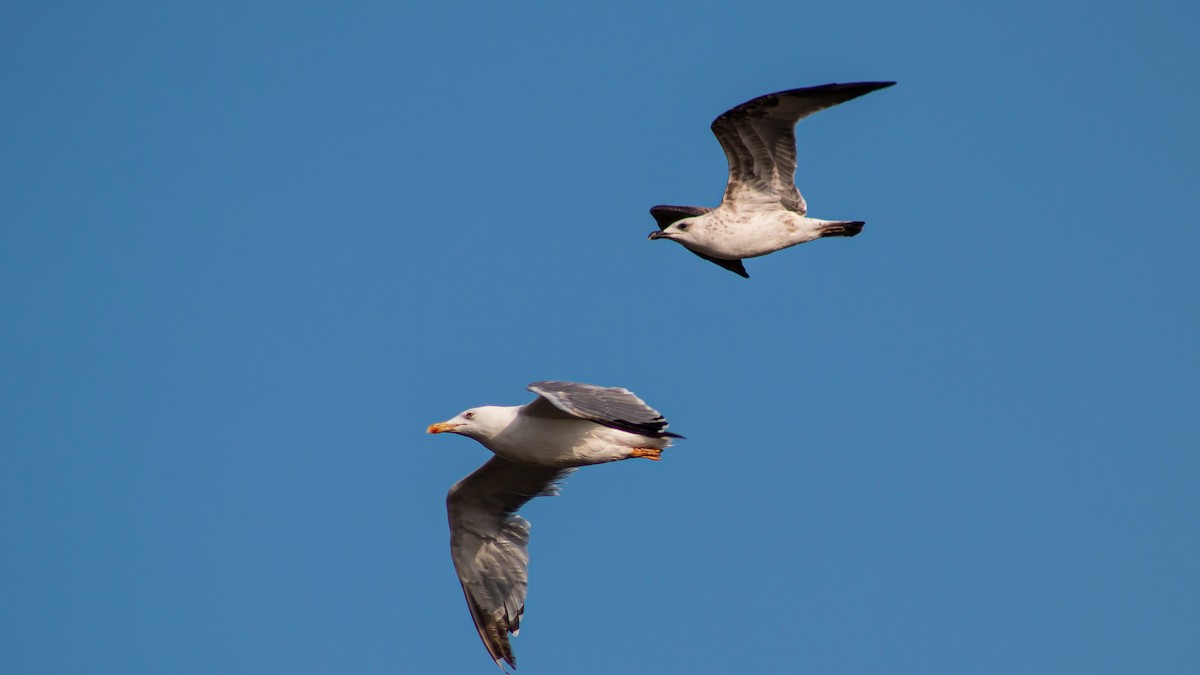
<point x="442" y="427"/>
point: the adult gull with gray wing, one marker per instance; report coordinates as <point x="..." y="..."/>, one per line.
<point x="535" y="445"/>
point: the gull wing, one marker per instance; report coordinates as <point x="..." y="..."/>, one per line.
<point x="614" y="407"/>
<point x="759" y="140"/>
<point x="488" y="543"/>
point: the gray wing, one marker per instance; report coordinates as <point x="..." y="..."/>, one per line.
<point x="615" y="407"/>
<point x="488" y="544"/>
<point x="760" y="141"/>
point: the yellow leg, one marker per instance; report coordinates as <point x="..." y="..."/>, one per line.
<point x="648" y="453"/>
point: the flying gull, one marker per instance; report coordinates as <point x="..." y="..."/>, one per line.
<point x="568" y="425"/>
<point x="762" y="211"/>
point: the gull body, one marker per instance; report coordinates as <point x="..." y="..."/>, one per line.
<point x="736" y="232"/>
<point x="519" y="435"/>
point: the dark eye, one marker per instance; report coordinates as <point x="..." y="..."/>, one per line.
<point x="683" y="226"/>
<point x="469" y="415"/>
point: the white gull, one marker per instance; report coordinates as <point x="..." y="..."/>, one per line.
<point x="568" y="425"/>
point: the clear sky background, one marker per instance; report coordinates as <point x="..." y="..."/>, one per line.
<point x="248" y="251"/>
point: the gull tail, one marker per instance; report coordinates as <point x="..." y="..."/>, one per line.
<point x="841" y="228"/>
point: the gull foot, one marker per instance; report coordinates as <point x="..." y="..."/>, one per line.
<point x="648" y="453"/>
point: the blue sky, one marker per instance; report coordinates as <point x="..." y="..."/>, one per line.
<point x="248" y="251"/>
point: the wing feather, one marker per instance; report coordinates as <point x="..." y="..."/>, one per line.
<point x="489" y="545"/>
<point x="615" y="407"/>
<point x="759" y="140"/>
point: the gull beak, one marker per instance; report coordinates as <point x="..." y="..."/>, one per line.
<point x="442" y="427"/>
<point x="658" y="234"/>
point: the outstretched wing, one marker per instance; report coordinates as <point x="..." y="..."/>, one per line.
<point x="615" y="407"/>
<point x="488" y="545"/>
<point x="760" y="141"/>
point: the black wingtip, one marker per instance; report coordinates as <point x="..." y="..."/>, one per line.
<point x="865" y="87"/>
<point x="734" y="266"/>
<point x="665" y="214"/>
<point x="852" y="90"/>
<point x="842" y="229"/>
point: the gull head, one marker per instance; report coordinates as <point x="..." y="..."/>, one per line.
<point x="479" y="423"/>
<point x="681" y="231"/>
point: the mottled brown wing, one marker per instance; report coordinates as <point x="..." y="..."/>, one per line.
<point x="759" y="140"/>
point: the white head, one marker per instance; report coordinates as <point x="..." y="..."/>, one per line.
<point x="682" y="231"/>
<point x="481" y="423"/>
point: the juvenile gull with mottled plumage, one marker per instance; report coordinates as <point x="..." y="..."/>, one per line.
<point x="568" y="425"/>
<point x="762" y="210"/>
